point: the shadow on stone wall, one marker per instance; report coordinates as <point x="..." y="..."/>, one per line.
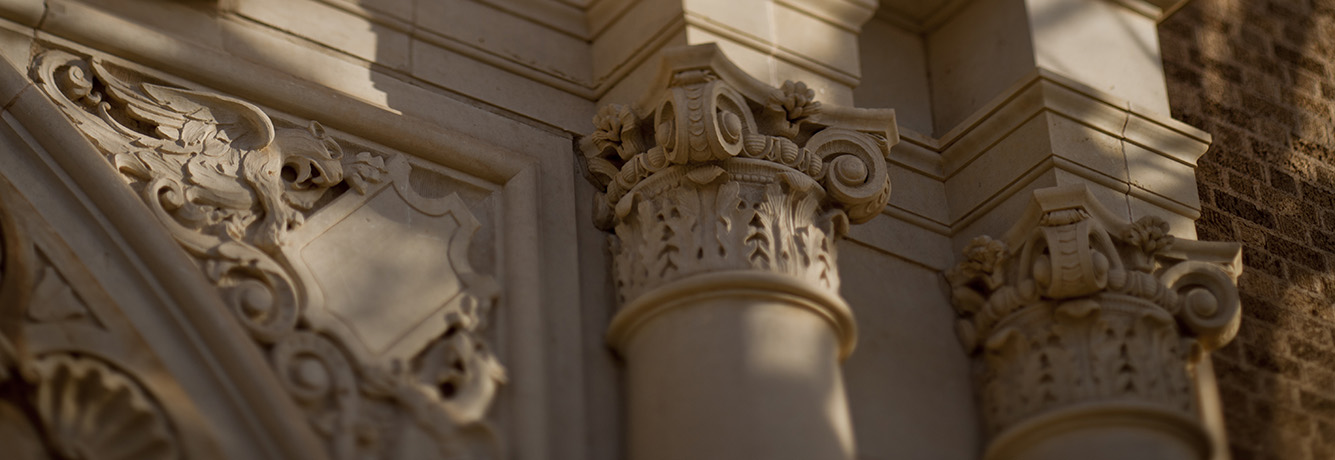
<point x="1256" y="75"/>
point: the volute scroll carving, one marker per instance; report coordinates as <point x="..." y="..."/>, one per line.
<point x="719" y="172"/>
<point x="237" y="190"/>
<point x="1075" y="306"/>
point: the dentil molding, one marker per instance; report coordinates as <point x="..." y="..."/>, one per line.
<point x="1077" y="315"/>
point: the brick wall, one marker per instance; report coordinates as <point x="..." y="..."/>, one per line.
<point x="1258" y="75"/>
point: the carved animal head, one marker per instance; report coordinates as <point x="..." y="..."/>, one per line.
<point x="311" y="163"/>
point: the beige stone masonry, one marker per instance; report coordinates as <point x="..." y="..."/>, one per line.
<point x="1091" y="332"/>
<point x="245" y="208"/>
<point x="339" y="229"/>
<point x="814" y="41"/>
<point x="726" y="198"/>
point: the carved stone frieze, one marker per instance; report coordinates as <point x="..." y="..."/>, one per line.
<point x="237" y="191"/>
<point x="720" y="173"/>
<point x="1076" y="307"/>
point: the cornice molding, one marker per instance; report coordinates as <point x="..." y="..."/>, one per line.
<point x="1047" y="92"/>
<point x="449" y="146"/>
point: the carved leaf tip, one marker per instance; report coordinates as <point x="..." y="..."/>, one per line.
<point x="1150" y="234"/>
<point x="795" y="100"/>
<point x="616" y="131"/>
<point x="363" y="170"/>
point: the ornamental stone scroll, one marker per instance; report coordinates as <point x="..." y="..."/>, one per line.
<point x="1088" y="331"/>
<point x="725" y="198"/>
<point x="281" y="221"/>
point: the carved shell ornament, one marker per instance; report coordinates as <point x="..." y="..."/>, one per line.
<point x="86" y="409"/>
<point x="232" y="189"/>
<point x="90" y="411"/>
<point x="1077" y="305"/>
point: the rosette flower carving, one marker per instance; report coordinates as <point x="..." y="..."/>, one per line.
<point x="789" y="106"/>
<point x="1077" y="307"/>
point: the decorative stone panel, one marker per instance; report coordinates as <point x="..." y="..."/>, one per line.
<point x="387" y="360"/>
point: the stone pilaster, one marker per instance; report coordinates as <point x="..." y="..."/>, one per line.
<point x="726" y="197"/>
<point x="1087" y="331"/>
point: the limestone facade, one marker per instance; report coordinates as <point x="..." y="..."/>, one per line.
<point x="603" y="229"/>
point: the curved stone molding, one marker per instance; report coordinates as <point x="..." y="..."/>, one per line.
<point x="233" y="189"/>
<point x="1079" y="317"/>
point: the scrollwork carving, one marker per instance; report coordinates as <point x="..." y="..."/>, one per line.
<point x="716" y="180"/>
<point x="1078" y="306"/>
<point x="231" y="188"/>
<point x="702" y="119"/>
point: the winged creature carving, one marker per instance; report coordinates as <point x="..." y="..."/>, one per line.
<point x="231" y="186"/>
<point x="228" y="184"/>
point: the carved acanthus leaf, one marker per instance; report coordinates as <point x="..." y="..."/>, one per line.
<point x="704" y="119"/>
<point x="1081" y="306"/>
<point x="232" y="188"/>
<point x="721" y="173"/>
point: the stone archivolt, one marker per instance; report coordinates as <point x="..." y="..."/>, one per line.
<point x="232" y="188"/>
<point x="1077" y="308"/>
<point x="724" y="174"/>
<point x="59" y="397"/>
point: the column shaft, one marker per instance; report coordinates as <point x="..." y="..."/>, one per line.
<point x="726" y="197"/>
<point x="737" y="374"/>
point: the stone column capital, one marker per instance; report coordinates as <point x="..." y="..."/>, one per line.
<point x="717" y="173"/>
<point x="706" y="110"/>
<point x="1077" y="313"/>
<point x="725" y="197"/>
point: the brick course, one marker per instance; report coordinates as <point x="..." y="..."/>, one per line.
<point x="1260" y="76"/>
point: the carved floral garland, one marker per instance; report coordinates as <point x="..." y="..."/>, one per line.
<point x="229" y="186"/>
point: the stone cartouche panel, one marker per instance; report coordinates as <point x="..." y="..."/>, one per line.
<point x="357" y="287"/>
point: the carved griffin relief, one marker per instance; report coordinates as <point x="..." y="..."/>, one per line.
<point x="233" y="189"/>
<point x="1081" y="307"/>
